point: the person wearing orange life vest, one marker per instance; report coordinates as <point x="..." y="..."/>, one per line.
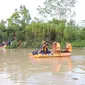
<point x="56" y="47"/>
<point x="68" y="47"/>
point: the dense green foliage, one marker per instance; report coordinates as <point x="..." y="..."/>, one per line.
<point x="19" y="27"/>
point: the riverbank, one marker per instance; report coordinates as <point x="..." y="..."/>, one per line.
<point x="36" y="45"/>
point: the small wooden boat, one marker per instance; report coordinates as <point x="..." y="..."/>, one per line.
<point x="50" y="55"/>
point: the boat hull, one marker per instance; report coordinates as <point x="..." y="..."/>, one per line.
<point x="50" y="56"/>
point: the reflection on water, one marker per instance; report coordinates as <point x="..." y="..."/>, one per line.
<point x="56" y="63"/>
<point x="16" y="68"/>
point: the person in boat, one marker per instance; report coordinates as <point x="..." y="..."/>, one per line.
<point x="56" y="47"/>
<point x="44" y="48"/>
<point x="68" y="47"/>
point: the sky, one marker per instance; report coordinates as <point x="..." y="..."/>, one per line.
<point x="7" y="7"/>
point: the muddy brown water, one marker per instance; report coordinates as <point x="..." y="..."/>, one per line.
<point x="17" y="68"/>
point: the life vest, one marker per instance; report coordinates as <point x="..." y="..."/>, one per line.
<point x="44" y="48"/>
<point x="69" y="47"/>
<point x="56" y="47"/>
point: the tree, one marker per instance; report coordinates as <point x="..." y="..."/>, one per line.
<point x="24" y="14"/>
<point x="3" y="35"/>
<point x="82" y="23"/>
<point x="59" y="9"/>
<point x="18" y="22"/>
<point x="2" y="25"/>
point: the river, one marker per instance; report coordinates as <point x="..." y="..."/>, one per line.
<point x="16" y="68"/>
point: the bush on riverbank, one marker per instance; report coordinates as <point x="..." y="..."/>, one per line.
<point x="78" y="43"/>
<point x="36" y="45"/>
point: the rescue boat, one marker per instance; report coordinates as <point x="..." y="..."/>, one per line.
<point x="50" y="55"/>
